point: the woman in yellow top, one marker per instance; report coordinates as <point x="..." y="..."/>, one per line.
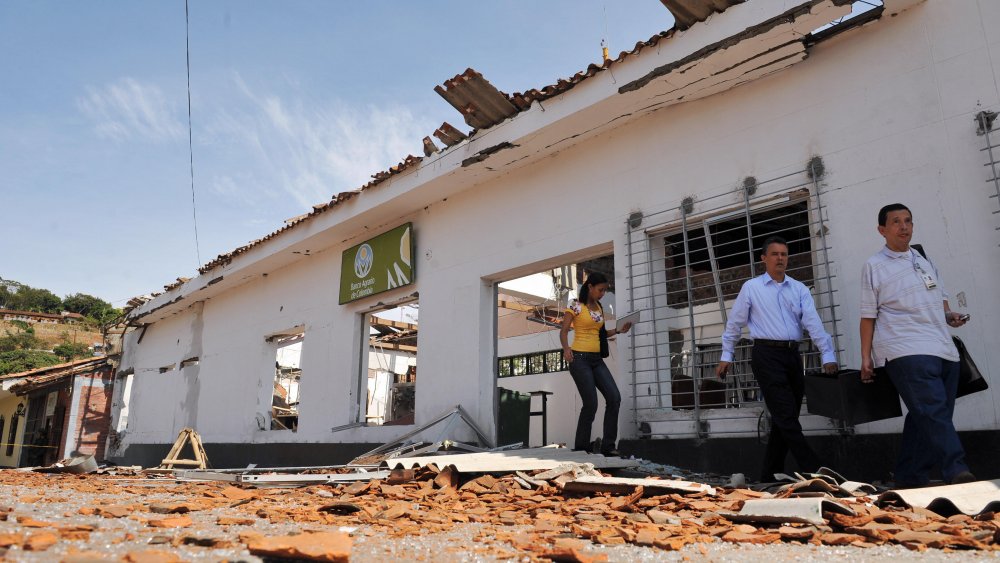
<point x="586" y="317"/>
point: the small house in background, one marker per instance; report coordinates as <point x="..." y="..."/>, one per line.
<point x="71" y="318"/>
<point x="30" y="316"/>
<point x="64" y="317"/>
<point x="52" y="413"/>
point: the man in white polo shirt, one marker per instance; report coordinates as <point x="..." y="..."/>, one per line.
<point x="904" y="326"/>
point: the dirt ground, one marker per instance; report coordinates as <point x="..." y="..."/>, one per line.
<point x="441" y="516"/>
<point x="53" y="334"/>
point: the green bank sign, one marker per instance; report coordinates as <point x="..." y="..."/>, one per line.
<point x="376" y="265"/>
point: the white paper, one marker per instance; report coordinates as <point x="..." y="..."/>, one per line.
<point x="632" y="317"/>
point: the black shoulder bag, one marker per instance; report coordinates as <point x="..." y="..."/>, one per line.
<point x="970" y="379"/>
<point x="603" y="336"/>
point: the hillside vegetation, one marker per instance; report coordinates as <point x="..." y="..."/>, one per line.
<point x="25" y="346"/>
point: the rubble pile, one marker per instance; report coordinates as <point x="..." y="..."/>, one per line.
<point x="558" y="514"/>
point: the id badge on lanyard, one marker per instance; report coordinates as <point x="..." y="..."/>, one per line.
<point x="929" y="281"/>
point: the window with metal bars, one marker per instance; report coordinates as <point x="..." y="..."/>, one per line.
<point x="550" y="361"/>
<point x="686" y="265"/>
<point x="726" y="251"/>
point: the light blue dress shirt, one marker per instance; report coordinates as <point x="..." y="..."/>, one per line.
<point x="775" y="311"/>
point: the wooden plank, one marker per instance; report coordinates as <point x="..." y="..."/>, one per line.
<point x="515" y="306"/>
<point x="394" y="324"/>
<point x="390" y="346"/>
<point x="191" y="462"/>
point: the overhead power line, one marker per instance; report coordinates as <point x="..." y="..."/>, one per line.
<point x="194" y="208"/>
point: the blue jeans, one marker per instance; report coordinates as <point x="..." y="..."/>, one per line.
<point x="590" y="375"/>
<point x="927" y="385"/>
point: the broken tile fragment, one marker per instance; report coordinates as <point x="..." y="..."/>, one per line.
<point x="40" y="541"/>
<point x="235" y="521"/>
<point x="789" y="533"/>
<point x="74" y="556"/>
<point x="171" y="522"/>
<point x="235" y="493"/>
<point x="841" y="539"/>
<point x="322" y="546"/>
<point x="169" y="508"/>
<point x="753" y="538"/>
<point x="151" y="556"/>
<point x="114" y="511"/>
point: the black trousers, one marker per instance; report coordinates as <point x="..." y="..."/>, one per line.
<point x="779" y="373"/>
<point x="592" y="375"/>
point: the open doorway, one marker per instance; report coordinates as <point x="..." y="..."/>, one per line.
<point x="285" y="389"/>
<point x="537" y="401"/>
<point x="390" y="375"/>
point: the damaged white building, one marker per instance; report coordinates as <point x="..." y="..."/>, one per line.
<point x="665" y="167"/>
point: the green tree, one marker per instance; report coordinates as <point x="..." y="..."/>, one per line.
<point x="39" y="300"/>
<point x="71" y="350"/>
<point x="86" y="305"/>
<point x="15" y="295"/>
<point x="23" y="339"/>
<point x="16" y="361"/>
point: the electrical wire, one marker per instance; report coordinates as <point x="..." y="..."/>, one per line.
<point x="194" y="209"/>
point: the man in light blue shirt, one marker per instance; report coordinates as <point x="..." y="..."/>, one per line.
<point x="777" y="308"/>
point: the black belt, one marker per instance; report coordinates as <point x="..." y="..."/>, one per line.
<point x="790" y="344"/>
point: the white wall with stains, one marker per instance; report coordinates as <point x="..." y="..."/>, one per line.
<point x="889" y="107"/>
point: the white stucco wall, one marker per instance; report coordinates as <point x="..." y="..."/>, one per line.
<point x="888" y="107"/>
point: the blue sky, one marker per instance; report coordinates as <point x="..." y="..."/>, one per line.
<point x="292" y="102"/>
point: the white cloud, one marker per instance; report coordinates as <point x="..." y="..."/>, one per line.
<point x="310" y="153"/>
<point x="129" y="110"/>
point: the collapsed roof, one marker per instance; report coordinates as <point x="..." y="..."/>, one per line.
<point x="697" y="61"/>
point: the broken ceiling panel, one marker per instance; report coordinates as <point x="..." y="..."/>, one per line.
<point x="808" y="510"/>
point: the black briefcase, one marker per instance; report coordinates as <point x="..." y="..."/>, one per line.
<point x="843" y="396"/>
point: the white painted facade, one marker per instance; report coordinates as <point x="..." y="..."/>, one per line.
<point x="888" y="107"/>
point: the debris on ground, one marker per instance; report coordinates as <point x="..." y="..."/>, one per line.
<point x="564" y="513"/>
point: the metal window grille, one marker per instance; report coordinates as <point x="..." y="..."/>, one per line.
<point x="687" y="264"/>
<point x="985" y="121"/>
<point x="550" y="361"/>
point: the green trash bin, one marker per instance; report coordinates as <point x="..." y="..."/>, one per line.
<point x="515" y="417"/>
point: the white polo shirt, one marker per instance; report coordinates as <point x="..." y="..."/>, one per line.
<point x="909" y="318"/>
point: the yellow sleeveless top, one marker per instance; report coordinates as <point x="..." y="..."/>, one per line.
<point x="586" y="327"/>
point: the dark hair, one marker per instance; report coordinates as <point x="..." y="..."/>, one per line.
<point x="593" y="279"/>
<point x="884" y="212"/>
<point x="772" y="240"/>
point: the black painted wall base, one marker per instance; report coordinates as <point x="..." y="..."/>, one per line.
<point x="232" y="456"/>
<point x="861" y="457"/>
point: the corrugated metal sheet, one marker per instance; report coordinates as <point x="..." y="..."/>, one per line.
<point x="948" y="500"/>
<point x="620" y="485"/>
<point x="479" y="102"/>
<point x="448" y="135"/>
<point x="483" y="106"/>
<point x="689" y="12"/>
<point x="513" y="460"/>
<point x="43" y="377"/>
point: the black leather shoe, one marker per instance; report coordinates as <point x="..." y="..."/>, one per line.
<point x="611" y="453"/>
